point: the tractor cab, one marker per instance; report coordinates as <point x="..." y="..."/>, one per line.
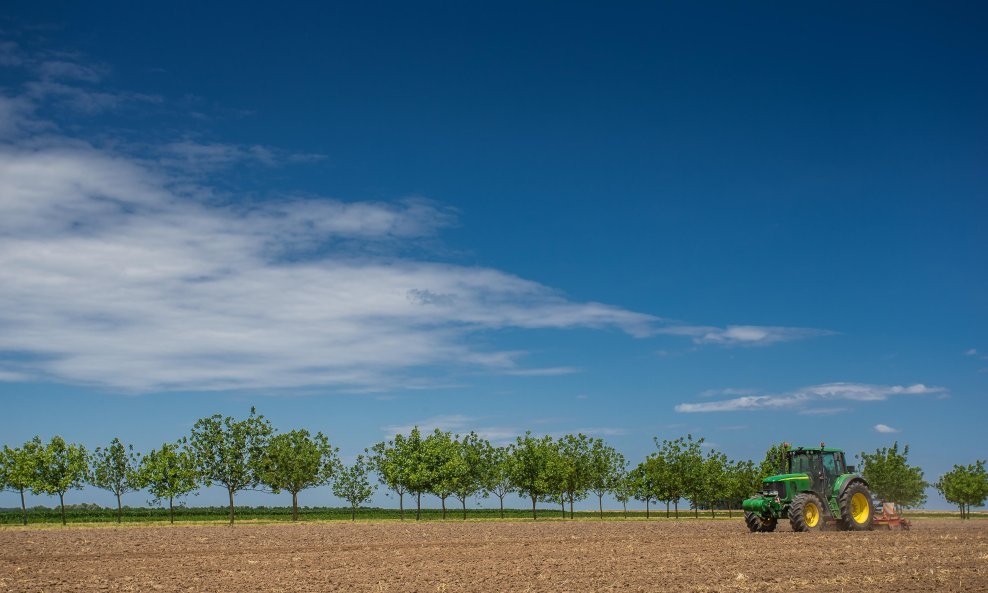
<point x="822" y="465"/>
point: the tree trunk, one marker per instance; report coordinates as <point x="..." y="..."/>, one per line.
<point x="464" y="501"/>
<point x="534" y="516"/>
<point x="600" y="504"/>
<point x="353" y="513"/>
<point x="418" y="506"/>
<point x="61" y="505"/>
<point x="562" y="504"/>
<point x="443" y="499"/>
<point x="119" y="509"/>
<point x="171" y="510"/>
<point x="401" y="505"/>
<point x="696" y="510"/>
<point x="646" y="509"/>
<point x="294" y="506"/>
<point x="23" y="507"/>
<point x="625" y="503"/>
<point x="571" y="505"/>
<point x="230" y="490"/>
<point x="502" y="506"/>
<point x="676" y="502"/>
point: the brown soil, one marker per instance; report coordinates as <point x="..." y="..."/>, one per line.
<point x="583" y="556"/>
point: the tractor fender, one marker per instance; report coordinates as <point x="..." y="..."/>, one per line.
<point x="851" y="480"/>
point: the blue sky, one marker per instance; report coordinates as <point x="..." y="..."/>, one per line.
<point x="749" y="223"/>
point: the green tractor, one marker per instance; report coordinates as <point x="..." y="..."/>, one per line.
<point x="818" y="489"/>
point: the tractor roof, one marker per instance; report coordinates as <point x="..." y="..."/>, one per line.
<point x="816" y="449"/>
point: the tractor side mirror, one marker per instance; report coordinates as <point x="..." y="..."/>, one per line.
<point x="850" y="469"/>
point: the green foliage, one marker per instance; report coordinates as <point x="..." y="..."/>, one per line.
<point x="497" y="474"/>
<point x="60" y="467"/>
<point x="531" y="467"/>
<point x="605" y="468"/>
<point x="775" y="461"/>
<point x="574" y="467"/>
<point x="18" y="469"/>
<point x="686" y="461"/>
<point x="295" y="461"/>
<point x="229" y="451"/>
<point x="641" y="483"/>
<point x="169" y="473"/>
<point x="965" y="486"/>
<point x="416" y="469"/>
<point x="443" y="465"/>
<point x="476" y="456"/>
<point x="390" y="460"/>
<point x="743" y="480"/>
<point x="115" y="468"/>
<point x="353" y="484"/>
<point x="892" y="479"/>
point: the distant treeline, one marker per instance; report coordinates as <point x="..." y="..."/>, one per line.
<point x="242" y="454"/>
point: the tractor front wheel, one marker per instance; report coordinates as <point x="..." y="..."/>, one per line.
<point x="806" y="513"/>
<point x="759" y="525"/>
<point x="856" y="508"/>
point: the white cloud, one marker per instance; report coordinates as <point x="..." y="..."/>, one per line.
<point x="542" y="372"/>
<point x="116" y="271"/>
<point x="885" y="429"/>
<point x="805" y="397"/>
<point x="743" y="335"/>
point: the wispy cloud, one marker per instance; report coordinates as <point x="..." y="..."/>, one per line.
<point x="805" y="398"/>
<point x="885" y="429"/>
<point x="118" y="271"/>
<point x="542" y="372"/>
<point x="743" y="335"/>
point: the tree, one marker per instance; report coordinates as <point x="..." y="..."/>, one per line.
<point x="18" y="468"/>
<point x="714" y="478"/>
<point x="295" y="461"/>
<point x="415" y="467"/>
<point x="530" y="467"/>
<point x="116" y="469"/>
<point x="388" y="459"/>
<point x="445" y="467"/>
<point x="775" y="461"/>
<point x="169" y="473"/>
<point x="353" y="484"/>
<point x="574" y="467"/>
<point x="497" y="479"/>
<point x="743" y="479"/>
<point x="965" y="486"/>
<point x="60" y="467"/>
<point x="623" y="490"/>
<point x="605" y="468"/>
<point x="892" y="479"/>
<point x="229" y="451"/>
<point x="475" y="455"/>
<point x="686" y="461"/>
<point x="642" y="485"/>
<point x="664" y="483"/>
<point x="673" y="484"/>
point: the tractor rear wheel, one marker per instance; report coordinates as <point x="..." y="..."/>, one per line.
<point x="806" y="512"/>
<point x="857" y="510"/>
<point x="758" y="524"/>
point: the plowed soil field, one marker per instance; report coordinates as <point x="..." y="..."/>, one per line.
<point x="579" y="556"/>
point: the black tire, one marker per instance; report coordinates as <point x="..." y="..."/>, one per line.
<point x="857" y="510"/>
<point x="806" y="512"/>
<point x="759" y="525"/>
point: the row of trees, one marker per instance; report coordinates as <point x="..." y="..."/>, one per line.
<point x="248" y="454"/>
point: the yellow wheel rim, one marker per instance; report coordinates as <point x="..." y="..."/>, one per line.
<point x="811" y="514"/>
<point x="859" y="508"/>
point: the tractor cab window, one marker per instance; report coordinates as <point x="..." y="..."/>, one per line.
<point x="803" y="463"/>
<point x="830" y="466"/>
